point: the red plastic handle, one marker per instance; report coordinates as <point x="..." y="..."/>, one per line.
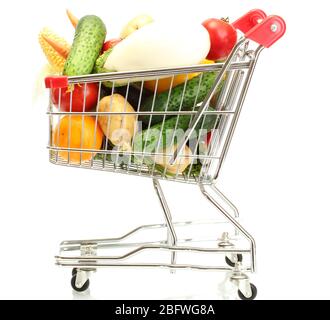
<point x="249" y="20"/>
<point x="267" y="32"/>
<point x="56" y="82"/>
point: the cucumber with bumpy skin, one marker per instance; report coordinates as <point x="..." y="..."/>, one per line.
<point x="86" y="47"/>
<point x="195" y="91"/>
<point x="147" y="141"/>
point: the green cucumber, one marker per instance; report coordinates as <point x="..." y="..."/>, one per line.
<point x="195" y="91"/>
<point x="86" y="47"/>
<point x="99" y="64"/>
<point x="148" y="140"/>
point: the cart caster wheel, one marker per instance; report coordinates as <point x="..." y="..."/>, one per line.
<point x="73" y="283"/>
<point x="253" y="296"/>
<point x="231" y="263"/>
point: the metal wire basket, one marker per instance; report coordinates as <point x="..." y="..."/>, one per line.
<point x="192" y="150"/>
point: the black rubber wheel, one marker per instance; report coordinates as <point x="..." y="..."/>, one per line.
<point x="73" y="284"/>
<point x="74" y="271"/>
<point x="232" y="264"/>
<point x="254" y="293"/>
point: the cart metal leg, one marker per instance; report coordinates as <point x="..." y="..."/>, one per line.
<point x="232" y="220"/>
<point x="229" y="204"/>
<point x="172" y="237"/>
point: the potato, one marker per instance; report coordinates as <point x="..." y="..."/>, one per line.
<point x="180" y="164"/>
<point x="118" y="128"/>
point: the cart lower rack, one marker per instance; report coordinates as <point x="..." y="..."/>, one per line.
<point x="187" y="144"/>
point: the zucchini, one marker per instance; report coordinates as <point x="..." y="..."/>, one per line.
<point x="99" y="68"/>
<point x="172" y="132"/>
<point x="86" y="47"/>
<point x="171" y="101"/>
<point x="99" y="64"/>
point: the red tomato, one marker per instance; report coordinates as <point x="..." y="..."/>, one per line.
<point x="92" y="91"/>
<point x="109" y="44"/>
<point x="209" y="137"/>
<point x="223" y="38"/>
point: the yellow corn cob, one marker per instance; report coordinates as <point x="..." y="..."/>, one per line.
<point x="55" y="59"/>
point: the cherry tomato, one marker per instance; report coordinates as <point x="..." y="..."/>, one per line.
<point x="223" y="38"/>
<point x="109" y="44"/>
<point x="92" y="91"/>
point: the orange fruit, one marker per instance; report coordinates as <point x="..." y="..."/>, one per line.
<point x="165" y="83"/>
<point x="83" y="133"/>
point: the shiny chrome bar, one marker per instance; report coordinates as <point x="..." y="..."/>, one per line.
<point x="112" y="76"/>
<point x="154" y="247"/>
<point x="146" y="265"/>
<point x="172" y="237"/>
<point x="115" y="152"/>
<point x="156" y="113"/>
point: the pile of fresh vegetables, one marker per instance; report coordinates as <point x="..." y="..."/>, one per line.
<point x="143" y="44"/>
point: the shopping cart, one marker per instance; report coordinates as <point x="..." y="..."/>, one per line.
<point x="208" y="149"/>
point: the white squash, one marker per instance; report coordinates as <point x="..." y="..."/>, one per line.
<point x="160" y="45"/>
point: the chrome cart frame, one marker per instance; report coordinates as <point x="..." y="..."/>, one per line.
<point x="234" y="77"/>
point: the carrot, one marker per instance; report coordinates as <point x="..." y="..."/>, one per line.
<point x="61" y="49"/>
<point x="74" y="20"/>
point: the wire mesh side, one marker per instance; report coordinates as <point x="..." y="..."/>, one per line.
<point x="140" y="134"/>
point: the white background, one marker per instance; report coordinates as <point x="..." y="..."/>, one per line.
<point x="277" y="171"/>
